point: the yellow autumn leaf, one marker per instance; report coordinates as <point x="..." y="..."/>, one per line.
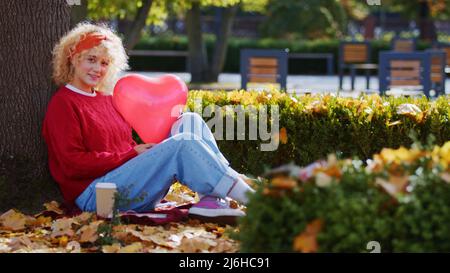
<point x="397" y="122"/>
<point x="114" y="248"/>
<point x="63" y="240"/>
<point x="133" y="248"/>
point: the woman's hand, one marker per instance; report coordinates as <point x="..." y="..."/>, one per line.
<point x="143" y="147"/>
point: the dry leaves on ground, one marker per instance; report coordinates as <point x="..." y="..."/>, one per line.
<point x="86" y="233"/>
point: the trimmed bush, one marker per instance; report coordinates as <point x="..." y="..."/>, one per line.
<point x="400" y="201"/>
<point x="318" y="125"/>
<point x="296" y="66"/>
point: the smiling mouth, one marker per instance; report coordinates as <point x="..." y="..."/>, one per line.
<point x="95" y="78"/>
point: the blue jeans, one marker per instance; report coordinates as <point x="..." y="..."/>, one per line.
<point x="189" y="154"/>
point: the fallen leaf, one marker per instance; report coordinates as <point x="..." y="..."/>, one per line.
<point x="284" y="182"/>
<point x="53" y="206"/>
<point x="89" y="233"/>
<point x="224" y="246"/>
<point x="283" y="135"/>
<point x="306" y="242"/>
<point x="42" y="221"/>
<point x="20" y="242"/>
<point x="397" y="122"/>
<point x="194" y="245"/>
<point x="234" y="204"/>
<point x="133" y="248"/>
<point x="62" y="227"/>
<point x="73" y="247"/>
<point x="13" y="220"/>
<point x="114" y="248"/>
<point x="63" y="240"/>
<point x="85" y="217"/>
<point x="408" y="109"/>
<point x="395" y="185"/>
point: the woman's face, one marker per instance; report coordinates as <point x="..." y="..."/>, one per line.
<point x="90" y="68"/>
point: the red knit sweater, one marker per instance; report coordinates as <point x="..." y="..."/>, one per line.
<point x="86" y="138"/>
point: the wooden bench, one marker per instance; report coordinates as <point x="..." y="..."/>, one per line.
<point x="327" y="56"/>
<point x="403" y="44"/>
<point x="446" y="48"/>
<point x="405" y="71"/>
<point x="264" y="66"/>
<point x="355" y="55"/>
<point x="438" y="65"/>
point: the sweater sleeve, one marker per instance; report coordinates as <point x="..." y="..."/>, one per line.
<point x="63" y="132"/>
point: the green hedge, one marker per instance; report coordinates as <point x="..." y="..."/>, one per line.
<point x="236" y="44"/>
<point x="323" y="124"/>
<point x="401" y="200"/>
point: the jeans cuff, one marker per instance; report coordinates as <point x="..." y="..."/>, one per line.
<point x="225" y="183"/>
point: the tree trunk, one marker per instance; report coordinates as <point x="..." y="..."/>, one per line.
<point x="198" y="61"/>
<point x="29" y="30"/>
<point x="220" y="49"/>
<point x="133" y="33"/>
<point x="78" y="13"/>
<point x="426" y="24"/>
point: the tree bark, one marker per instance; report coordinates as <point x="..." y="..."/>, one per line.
<point x="78" y="13"/>
<point x="198" y="61"/>
<point x="226" y="19"/>
<point x="28" y="30"/>
<point x="133" y="33"/>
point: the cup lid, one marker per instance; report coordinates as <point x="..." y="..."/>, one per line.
<point x="105" y="186"/>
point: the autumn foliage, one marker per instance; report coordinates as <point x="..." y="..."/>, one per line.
<point x="52" y="230"/>
<point x="313" y="126"/>
<point x="399" y="198"/>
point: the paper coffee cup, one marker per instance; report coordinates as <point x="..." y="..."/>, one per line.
<point x="105" y="199"/>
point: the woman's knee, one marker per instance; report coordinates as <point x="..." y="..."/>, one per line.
<point x="184" y="136"/>
<point x="192" y="115"/>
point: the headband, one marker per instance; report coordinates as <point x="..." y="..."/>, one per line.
<point x="87" y="41"/>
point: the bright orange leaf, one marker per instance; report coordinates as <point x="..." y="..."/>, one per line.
<point x="306" y="242"/>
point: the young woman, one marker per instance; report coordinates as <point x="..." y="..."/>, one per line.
<point x="89" y="142"/>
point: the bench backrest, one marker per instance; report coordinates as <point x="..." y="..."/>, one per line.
<point x="264" y="66"/>
<point x="398" y="69"/>
<point x="354" y="52"/>
<point x="438" y="64"/>
<point x="446" y="48"/>
<point x="403" y="45"/>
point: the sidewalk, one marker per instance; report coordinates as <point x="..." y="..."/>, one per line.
<point x="295" y="83"/>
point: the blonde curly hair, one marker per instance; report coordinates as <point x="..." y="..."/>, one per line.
<point x="63" y="69"/>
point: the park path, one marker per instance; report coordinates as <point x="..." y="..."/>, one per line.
<point x="295" y="83"/>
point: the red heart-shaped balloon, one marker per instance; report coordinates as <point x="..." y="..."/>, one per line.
<point x="150" y="105"/>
